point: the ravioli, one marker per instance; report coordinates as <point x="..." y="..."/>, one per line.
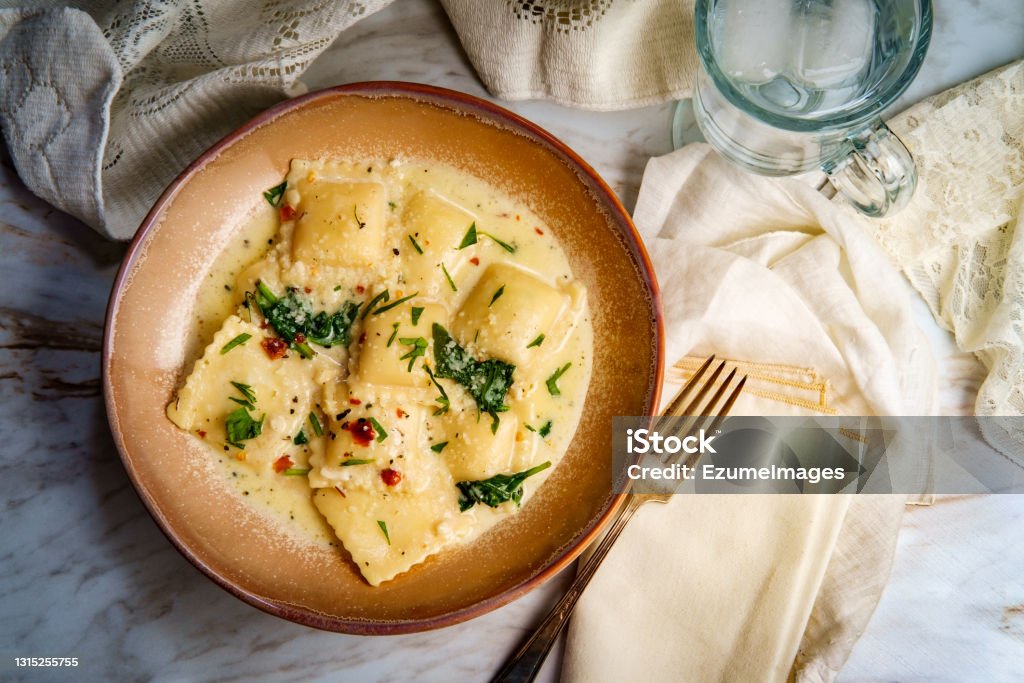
<point x="388" y="350"/>
<point x="283" y="391"/>
<point x="508" y="309"/>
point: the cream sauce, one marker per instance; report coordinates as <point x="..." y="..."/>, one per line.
<point x="287" y="499"/>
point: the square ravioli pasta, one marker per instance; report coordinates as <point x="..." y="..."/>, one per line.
<point x="387" y="353"/>
<point x="245" y="392"/>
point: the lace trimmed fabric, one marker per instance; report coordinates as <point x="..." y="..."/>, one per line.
<point x="100" y="111"/>
<point x="960" y="241"/>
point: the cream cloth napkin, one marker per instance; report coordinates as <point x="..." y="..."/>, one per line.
<point x="742" y="587"/>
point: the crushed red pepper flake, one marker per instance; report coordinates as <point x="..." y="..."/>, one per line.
<point x="274" y="347"/>
<point x="354" y="401"/>
<point x="282" y="463"/>
<point x="538" y="231"/>
<point x="475" y="261"/>
<point x="360" y="289"/>
<point x="362" y="431"/>
<point x="201" y="433"/>
<point x="287" y="212"/>
<point x="390" y="477"/>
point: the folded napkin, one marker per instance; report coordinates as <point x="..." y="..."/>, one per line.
<point x="960" y="241"/>
<point x="770" y="273"/>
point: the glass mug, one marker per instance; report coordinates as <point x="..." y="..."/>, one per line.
<point x="788" y="86"/>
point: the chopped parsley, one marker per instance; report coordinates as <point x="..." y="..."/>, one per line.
<point x="504" y="245"/>
<point x="274" y="194"/>
<point x="438" y="447"/>
<point x="300" y="439"/>
<point x="415" y="245"/>
<point x="296" y="472"/>
<point x="451" y="282"/>
<point x="246" y="391"/>
<point x="471" y="238"/>
<point x="543" y="430"/>
<point x="442" y="401"/>
<point x="419" y="348"/>
<point x="314" y="422"/>
<point x="536" y="342"/>
<point x="356" y="461"/>
<point x="394" y="303"/>
<point x="382" y="433"/>
<point x="383" y="296"/>
<point x="497" y="295"/>
<point x="498" y="489"/>
<point x="394" y="333"/>
<point x="384" y="530"/>
<point x="237" y="341"/>
<point x="487" y="381"/>
<point x="417" y="311"/>
<point x="553" y="380"/>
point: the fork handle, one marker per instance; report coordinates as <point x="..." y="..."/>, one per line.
<point x="524" y="666"/>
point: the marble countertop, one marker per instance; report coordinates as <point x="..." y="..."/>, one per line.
<point x="87" y="573"/>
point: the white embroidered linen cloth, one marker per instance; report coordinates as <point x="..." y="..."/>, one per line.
<point x="593" y="54"/>
<point x="741" y="587"/>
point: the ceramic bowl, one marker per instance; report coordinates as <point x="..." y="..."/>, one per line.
<point x="148" y="350"/>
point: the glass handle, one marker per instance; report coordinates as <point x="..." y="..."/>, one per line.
<point x="878" y="176"/>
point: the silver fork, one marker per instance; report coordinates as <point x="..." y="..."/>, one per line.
<point x="526" y="662"/>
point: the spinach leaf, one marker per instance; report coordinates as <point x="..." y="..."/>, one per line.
<point x="289" y="315"/>
<point x="333" y="330"/>
<point x="487" y="381"/>
<point x="240" y="427"/>
<point x="497" y="490"/>
<point x="292" y="315"/>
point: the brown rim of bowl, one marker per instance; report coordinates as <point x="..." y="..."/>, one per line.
<point x="486" y="111"/>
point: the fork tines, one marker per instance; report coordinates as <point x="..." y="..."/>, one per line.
<point x="698" y="410"/>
